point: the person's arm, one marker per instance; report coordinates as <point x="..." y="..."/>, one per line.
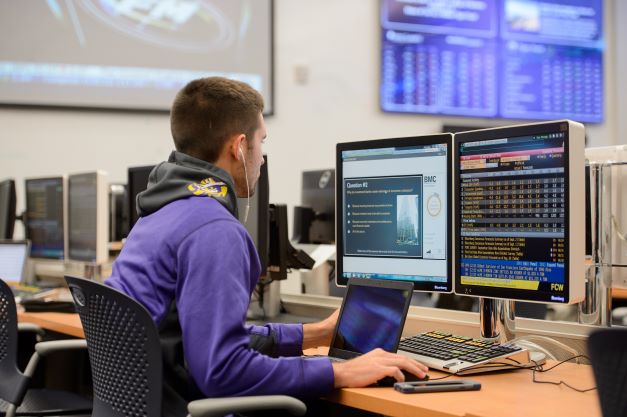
<point x="320" y="333"/>
<point x="213" y="292"/>
<point x="291" y="339"/>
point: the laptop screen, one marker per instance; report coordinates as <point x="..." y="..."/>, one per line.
<point x="372" y="317"/>
<point x="12" y="260"/>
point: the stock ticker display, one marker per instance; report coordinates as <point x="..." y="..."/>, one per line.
<point x="513" y="214"/>
<point x="493" y="58"/>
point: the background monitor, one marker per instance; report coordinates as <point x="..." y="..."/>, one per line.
<point x="131" y="54"/>
<point x="615" y="213"/>
<point x="137" y="182"/>
<point x="13" y="256"/>
<point x="531" y="59"/>
<point x="8" y="202"/>
<point x="88" y="217"/>
<point x="258" y="217"/>
<point x="519" y="226"/>
<point x="118" y="212"/>
<point x="394" y="212"/>
<point x="282" y="256"/>
<point x="314" y="220"/>
<point x="45" y="216"/>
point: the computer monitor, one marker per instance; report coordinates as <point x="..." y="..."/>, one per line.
<point x="13" y="256"/>
<point x="258" y="216"/>
<point x="118" y="212"/>
<point x="519" y="227"/>
<point x="613" y="160"/>
<point x="45" y="216"/>
<point x="137" y="182"/>
<point x="394" y="212"/>
<point x="7" y="208"/>
<point x="282" y="256"/>
<point x="314" y="219"/>
<point x="88" y="220"/>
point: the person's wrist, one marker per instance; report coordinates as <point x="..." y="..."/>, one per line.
<point x="338" y="374"/>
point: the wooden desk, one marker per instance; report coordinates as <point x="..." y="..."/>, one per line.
<point x="619" y="293"/>
<point x="509" y="394"/>
<point x="66" y="323"/>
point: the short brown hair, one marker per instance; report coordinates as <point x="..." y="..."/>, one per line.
<point x="207" y="111"/>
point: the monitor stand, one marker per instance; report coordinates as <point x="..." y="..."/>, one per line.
<point x="496" y="319"/>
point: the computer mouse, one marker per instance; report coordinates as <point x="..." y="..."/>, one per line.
<point x="389" y="381"/>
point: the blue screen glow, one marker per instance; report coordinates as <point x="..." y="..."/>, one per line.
<point x="518" y="59"/>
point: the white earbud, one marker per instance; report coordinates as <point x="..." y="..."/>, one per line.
<point x="247" y="188"/>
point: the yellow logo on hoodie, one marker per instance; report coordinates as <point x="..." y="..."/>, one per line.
<point x="209" y="187"/>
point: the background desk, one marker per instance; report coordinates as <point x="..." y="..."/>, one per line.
<point x="66" y="323"/>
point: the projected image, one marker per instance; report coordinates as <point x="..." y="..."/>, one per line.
<point x="522" y="15"/>
<point x="407" y="232"/>
<point x="130" y="53"/>
<point x="197" y="26"/>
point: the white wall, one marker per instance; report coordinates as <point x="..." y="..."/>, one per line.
<point x="336" y="43"/>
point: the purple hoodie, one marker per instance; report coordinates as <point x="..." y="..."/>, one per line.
<point x="194" y="251"/>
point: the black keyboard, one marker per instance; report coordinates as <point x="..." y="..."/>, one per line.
<point x="445" y="346"/>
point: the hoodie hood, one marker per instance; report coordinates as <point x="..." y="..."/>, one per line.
<point x="183" y="176"/>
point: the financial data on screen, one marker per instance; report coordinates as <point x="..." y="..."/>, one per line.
<point x="518" y="59"/>
<point x="513" y="211"/>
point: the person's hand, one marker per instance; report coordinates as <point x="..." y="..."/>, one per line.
<point x="369" y="368"/>
<point x="320" y="333"/>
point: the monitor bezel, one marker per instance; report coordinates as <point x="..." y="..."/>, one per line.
<point x="131" y="172"/>
<point x="561" y="126"/>
<point x="435" y="139"/>
<point x="8" y="218"/>
<point x="102" y="219"/>
<point x="64" y="185"/>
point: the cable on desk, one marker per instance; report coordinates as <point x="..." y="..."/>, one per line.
<point x="560" y="382"/>
<point x="537" y="368"/>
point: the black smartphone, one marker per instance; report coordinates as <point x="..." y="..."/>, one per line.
<point x="437" y="386"/>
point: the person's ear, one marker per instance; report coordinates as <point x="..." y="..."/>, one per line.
<point x="236" y="148"/>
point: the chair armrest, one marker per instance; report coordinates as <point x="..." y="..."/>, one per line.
<point x="30" y="327"/>
<point x="215" y="407"/>
<point x="45" y="348"/>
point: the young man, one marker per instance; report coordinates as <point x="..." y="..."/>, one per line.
<point x="192" y="264"/>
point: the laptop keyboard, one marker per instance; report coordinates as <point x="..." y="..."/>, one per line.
<point x="446" y="346"/>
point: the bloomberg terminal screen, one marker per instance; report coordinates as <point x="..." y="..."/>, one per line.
<point x="513" y="215"/>
<point x="522" y="59"/>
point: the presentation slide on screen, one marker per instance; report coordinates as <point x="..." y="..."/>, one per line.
<point x="384" y="216"/>
<point x="394" y="214"/>
<point x="129" y="53"/>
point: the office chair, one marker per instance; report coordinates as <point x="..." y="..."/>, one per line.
<point x="608" y="354"/>
<point x="126" y="360"/>
<point x="15" y="397"/>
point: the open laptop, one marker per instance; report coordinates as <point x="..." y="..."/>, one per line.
<point x="372" y="316"/>
<point x="13" y="256"/>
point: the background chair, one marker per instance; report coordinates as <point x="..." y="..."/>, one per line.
<point x="608" y="354"/>
<point x="126" y="361"/>
<point x="14" y="392"/>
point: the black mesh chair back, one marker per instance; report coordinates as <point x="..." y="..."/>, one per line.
<point x="124" y="351"/>
<point x="608" y="354"/>
<point x="12" y="382"/>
